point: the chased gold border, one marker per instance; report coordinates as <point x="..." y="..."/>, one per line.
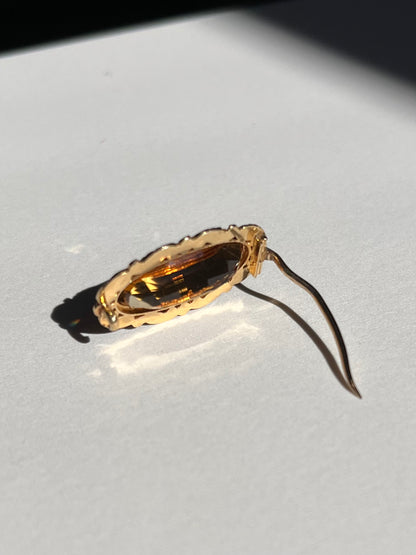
<point x="110" y="313"/>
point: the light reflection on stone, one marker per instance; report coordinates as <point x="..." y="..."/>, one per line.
<point x="183" y="278"/>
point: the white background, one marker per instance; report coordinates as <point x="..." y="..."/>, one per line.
<point x="225" y="431"/>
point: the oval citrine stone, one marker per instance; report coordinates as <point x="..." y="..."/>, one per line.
<point x="180" y="279"/>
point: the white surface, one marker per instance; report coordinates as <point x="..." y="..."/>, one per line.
<point x="223" y="432"/>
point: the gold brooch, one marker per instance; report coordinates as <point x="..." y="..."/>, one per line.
<point x="190" y="274"/>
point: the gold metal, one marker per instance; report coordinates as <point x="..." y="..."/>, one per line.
<point x="283" y="267"/>
<point x="113" y="313"/>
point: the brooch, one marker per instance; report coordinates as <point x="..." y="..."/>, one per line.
<point x="190" y="274"/>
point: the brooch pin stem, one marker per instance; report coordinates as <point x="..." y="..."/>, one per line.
<point x="284" y="268"/>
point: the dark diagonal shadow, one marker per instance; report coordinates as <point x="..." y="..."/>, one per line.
<point x="380" y="34"/>
<point x="76" y="316"/>
<point x="311" y="333"/>
<point x="32" y="25"/>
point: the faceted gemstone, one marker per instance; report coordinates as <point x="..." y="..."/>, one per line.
<point x="183" y="278"/>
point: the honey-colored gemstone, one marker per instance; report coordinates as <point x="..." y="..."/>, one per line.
<point x="183" y="278"/>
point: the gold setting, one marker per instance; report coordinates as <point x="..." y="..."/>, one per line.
<point x="114" y="314"/>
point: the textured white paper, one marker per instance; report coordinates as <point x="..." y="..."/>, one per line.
<point x="223" y="432"/>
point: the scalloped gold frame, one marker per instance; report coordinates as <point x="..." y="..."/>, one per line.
<point x="110" y="312"/>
